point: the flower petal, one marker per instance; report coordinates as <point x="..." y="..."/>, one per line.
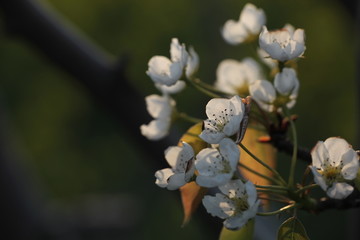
<point x="319" y="155"/>
<point x="156" y="129"/>
<point x="162" y="70"/>
<point x="177" y="87"/>
<point x="286" y="82"/>
<point x="253" y="18"/>
<point x="230" y="151"/>
<point x="336" y="148"/>
<point x="234" y="32"/>
<point x="162" y="177"/>
<point x="192" y="63"/>
<point x="263" y="93"/>
<point x="176" y="181"/>
<point x="318" y="178"/>
<point x="350" y="159"/>
<point x="340" y="190"/>
<point x="178" y="53"/>
<point x="159" y="106"/>
<point x="212" y="205"/>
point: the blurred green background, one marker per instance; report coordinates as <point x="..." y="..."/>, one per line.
<point x="82" y="160"/>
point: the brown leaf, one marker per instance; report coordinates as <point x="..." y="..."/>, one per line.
<point x="191" y="196"/>
<point x="264" y="151"/>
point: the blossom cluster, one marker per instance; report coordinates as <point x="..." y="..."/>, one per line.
<point x="335" y="164"/>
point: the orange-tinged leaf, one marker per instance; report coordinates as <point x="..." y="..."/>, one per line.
<point x="192" y="137"/>
<point x="191" y="196"/>
<point x="191" y="193"/>
<point x="264" y="151"/>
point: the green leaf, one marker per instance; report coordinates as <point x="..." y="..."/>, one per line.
<point x="244" y="233"/>
<point x="292" y="229"/>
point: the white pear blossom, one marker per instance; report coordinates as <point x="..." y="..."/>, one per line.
<point x="287" y="85"/>
<point x="192" y="63"/>
<point x="182" y="168"/>
<point x="247" y="27"/>
<point x="234" y="77"/>
<point x="334" y="162"/>
<point x="237" y="203"/>
<point x="264" y="94"/>
<point x="224" y="118"/>
<point x="283" y="92"/>
<point x="177" y="87"/>
<point x="161" y="109"/>
<point x="178" y="52"/>
<point x="164" y="71"/>
<point x="283" y="44"/>
<point x="216" y="166"/>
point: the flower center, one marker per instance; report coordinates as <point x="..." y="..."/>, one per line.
<point x="241" y="204"/>
<point x="217" y="123"/>
<point x="332" y="174"/>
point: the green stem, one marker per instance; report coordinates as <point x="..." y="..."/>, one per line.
<point x="306" y="188"/>
<point x="188" y="118"/>
<point x="272" y="191"/>
<point x="203" y="90"/>
<point x="260" y="175"/>
<point x="209" y="87"/>
<point x="272" y="187"/>
<point x="277" y="175"/>
<point x="294" y="155"/>
<point x="277" y="211"/>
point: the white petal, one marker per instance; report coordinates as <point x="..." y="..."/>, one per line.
<point x="350" y="160"/>
<point x="319" y="155"/>
<point x="156" y="129"/>
<point x="252" y="18"/>
<point x="251" y="192"/>
<point x="318" y="178"/>
<point x="252" y="70"/>
<point x="235" y="222"/>
<point x="340" y="190"/>
<point x="238" y="221"/>
<point x="211" y="137"/>
<point x="212" y="205"/>
<point x="230" y="76"/>
<point x="178" y="52"/>
<point x="265" y="57"/>
<point x="230" y="151"/>
<point x="336" y="148"/>
<point x="176" y="181"/>
<point x="238" y="108"/>
<point x="178" y="157"/>
<point x="204" y="161"/>
<point x="286" y="82"/>
<point x="299" y="36"/>
<point x="213" y="181"/>
<point x="231" y="187"/>
<point x="177" y="87"/>
<point x="162" y="70"/>
<point x="263" y="92"/>
<point x="162" y="177"/>
<point x="192" y="63"/>
<point x="159" y="106"/>
<point x="234" y="32"/>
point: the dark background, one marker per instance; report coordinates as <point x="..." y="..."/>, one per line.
<point x="73" y="163"/>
